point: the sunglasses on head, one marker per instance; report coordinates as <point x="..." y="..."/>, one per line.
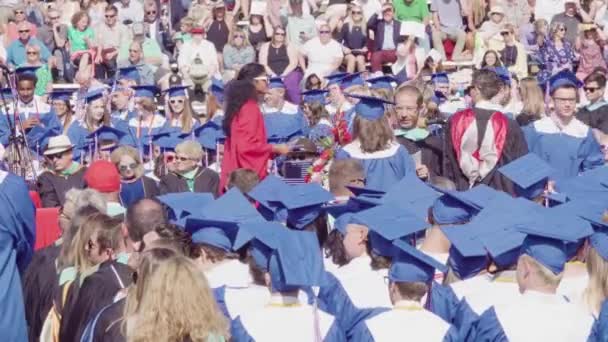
<point x="504" y="33"/>
<point x="131" y="166"/>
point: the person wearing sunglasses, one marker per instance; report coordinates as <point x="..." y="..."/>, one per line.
<point x="595" y="113"/>
<point x="280" y="59"/>
<point x="387" y="32"/>
<point x="134" y="184"/>
<point x="189" y="175"/>
<point x="556" y="53"/>
<point x="321" y="55"/>
<point x="19" y="17"/>
<point x="111" y="35"/>
<point x="64" y="173"/>
<point x="179" y="114"/>
<point x="237" y="52"/>
<point x="16" y="53"/>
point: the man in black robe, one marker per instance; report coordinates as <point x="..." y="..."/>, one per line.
<point x="480" y="140"/>
<point x="100" y="288"/>
<point x="65" y="173"/>
<point x="424" y="148"/>
<point x="595" y="114"/>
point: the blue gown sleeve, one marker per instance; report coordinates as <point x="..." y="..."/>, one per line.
<point x="590" y="152"/>
<point x="238" y="332"/>
<point x="452" y="335"/>
<point x="464" y="320"/>
<point x="443" y="302"/>
<point x="342" y="154"/>
<point x="406" y="161"/>
<point x="220" y="294"/>
<point x="4" y="129"/>
<point x="487" y="328"/>
<point x="50" y="125"/>
<point x="361" y="333"/>
<point x="335" y="333"/>
<point x="530" y="135"/>
<point x="599" y="331"/>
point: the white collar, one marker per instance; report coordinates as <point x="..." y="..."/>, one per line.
<point x="487" y="105"/>
<point x="575" y="128"/>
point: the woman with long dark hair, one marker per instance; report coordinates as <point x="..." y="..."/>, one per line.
<point x="246" y="145"/>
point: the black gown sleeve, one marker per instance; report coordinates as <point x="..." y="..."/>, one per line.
<point x="47" y="191"/>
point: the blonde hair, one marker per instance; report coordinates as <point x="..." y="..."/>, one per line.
<point x="245" y="37"/>
<point x="171" y="301"/>
<point x="105" y="120"/>
<point x="554" y="28"/>
<point x="532" y="97"/>
<point x="597" y="287"/>
<point x="130" y="151"/>
<point x="544" y="274"/>
<point x="478" y="12"/>
<point x="100" y="223"/>
<point x="361" y="24"/>
<point x="190" y="148"/>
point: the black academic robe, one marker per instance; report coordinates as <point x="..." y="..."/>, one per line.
<point x="515" y="146"/>
<point x="205" y="180"/>
<point x="39" y="284"/>
<point x="597" y="118"/>
<point x="96" y="292"/>
<point x="108" y="325"/>
<point x="431" y="149"/>
<point x="52" y="187"/>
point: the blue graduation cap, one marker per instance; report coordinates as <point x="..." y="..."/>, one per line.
<point x="370" y="108"/>
<point x="382" y="82"/>
<point x="145" y="91"/>
<point x="546" y="248"/>
<point x="297" y="262"/>
<point x="599" y="241"/>
<point x="440" y="77"/>
<point x="411" y="265"/>
<point x="263" y="237"/>
<point x="275" y="82"/>
<point x="564" y="78"/>
<point x="315" y="95"/>
<point x="63" y="95"/>
<point x="598" y="174"/>
<point x="106" y="133"/>
<point x="185" y="203"/>
<point x="343" y="221"/>
<point x="368" y="192"/>
<point x="209" y="134"/>
<point x="267" y="194"/>
<point x="335" y="78"/>
<point x="503" y="73"/>
<point x="388" y="222"/>
<point x="281" y="127"/>
<point x="176" y="91"/>
<point x="590" y="209"/>
<point x="351" y="80"/>
<point x="582" y="188"/>
<point x="7" y="93"/>
<point x="529" y="173"/>
<point x="212" y="236"/>
<point x="128" y="73"/>
<point x="26" y="70"/>
<point x="217" y="89"/>
<point x="450" y="209"/>
<point x="412" y="193"/>
<point x="303" y="203"/>
<point x="166" y="141"/>
<point x="467" y="255"/>
<point x="93" y="95"/>
<point x="233" y="206"/>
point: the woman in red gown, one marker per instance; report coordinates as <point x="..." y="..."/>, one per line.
<point x="246" y="145"/>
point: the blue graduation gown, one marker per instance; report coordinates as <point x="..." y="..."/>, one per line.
<point x="49" y="122"/>
<point x="599" y="332"/>
<point x="382" y="168"/>
<point x="17" y="236"/>
<point x="131" y="126"/>
<point x="569" y="151"/>
<point x="284" y="123"/>
<point x="321" y="130"/>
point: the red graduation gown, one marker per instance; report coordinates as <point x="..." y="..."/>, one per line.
<point x="247" y="146"/>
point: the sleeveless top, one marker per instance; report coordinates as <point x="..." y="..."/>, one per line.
<point x="218" y="34"/>
<point x="257" y="38"/>
<point x="278" y="59"/>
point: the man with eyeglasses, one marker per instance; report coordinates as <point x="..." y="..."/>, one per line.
<point x="111" y="35"/>
<point x="16" y="53"/>
<point x="64" y="173"/>
<point x="387" y="33"/>
<point x="323" y="53"/>
<point x="129" y="11"/>
<point x="560" y="139"/>
<point x="595" y="113"/>
<point x="157" y="27"/>
<point x="136" y="59"/>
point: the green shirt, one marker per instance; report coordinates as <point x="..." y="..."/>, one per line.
<point x="44" y="77"/>
<point x="190" y="178"/>
<point x="416" y="11"/>
<point x="76" y="38"/>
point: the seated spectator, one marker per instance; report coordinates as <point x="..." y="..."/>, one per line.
<point x="96" y="10"/>
<point x="336" y="11"/>
<point x="110" y="35"/>
<point x="416" y="11"/>
<point x="489" y="32"/>
<point x="534" y="39"/>
<point x="34" y="12"/>
<point x="183" y="35"/>
<point x="188" y="175"/>
<point x="595" y="114"/>
<point x="431" y="64"/>
<point x="517" y="12"/>
<point x="64" y="173"/>
<point x="83" y="49"/>
<point x="129" y="11"/>
<point x="281" y="59"/>
<point x="386" y="37"/>
<point x="152" y="53"/>
<point x="137" y="59"/>
<point x="323" y="53"/>
<point x="14" y="27"/>
<point x="54" y="35"/>
<point x="410" y="59"/>
<point x="446" y="25"/>
<point x="597" y="12"/>
<point x="533" y="101"/>
<point x="154" y="27"/>
<point x="491" y="59"/>
<point x="218" y="31"/>
<point x="237" y="53"/>
<point x="103" y="176"/>
<point x="590" y="46"/>
<point x="301" y="27"/>
<point x="353" y="37"/>
<point x="313" y="82"/>
<point x="198" y="59"/>
<point x="572" y="16"/>
<point x="513" y="55"/>
<point x="259" y="31"/>
<point x="476" y="13"/>
<point x="44" y="84"/>
<point x="200" y="12"/>
<point x="134" y="185"/>
<point x="16" y="53"/>
<point x="556" y="53"/>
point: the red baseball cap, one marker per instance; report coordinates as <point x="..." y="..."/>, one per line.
<point x="197" y="30"/>
<point x="102" y="176"/>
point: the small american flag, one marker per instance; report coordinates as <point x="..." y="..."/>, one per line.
<point x="296" y="171"/>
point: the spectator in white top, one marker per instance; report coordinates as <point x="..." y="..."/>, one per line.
<point x="324" y="54"/>
<point x="129" y="11"/>
<point x="199" y="56"/>
<point x="546" y="9"/>
<point x="490" y="29"/>
<point x="300" y="26"/>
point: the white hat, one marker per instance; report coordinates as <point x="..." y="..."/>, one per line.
<point x="497" y="9"/>
<point x="435" y="55"/>
<point x="58" y="144"/>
